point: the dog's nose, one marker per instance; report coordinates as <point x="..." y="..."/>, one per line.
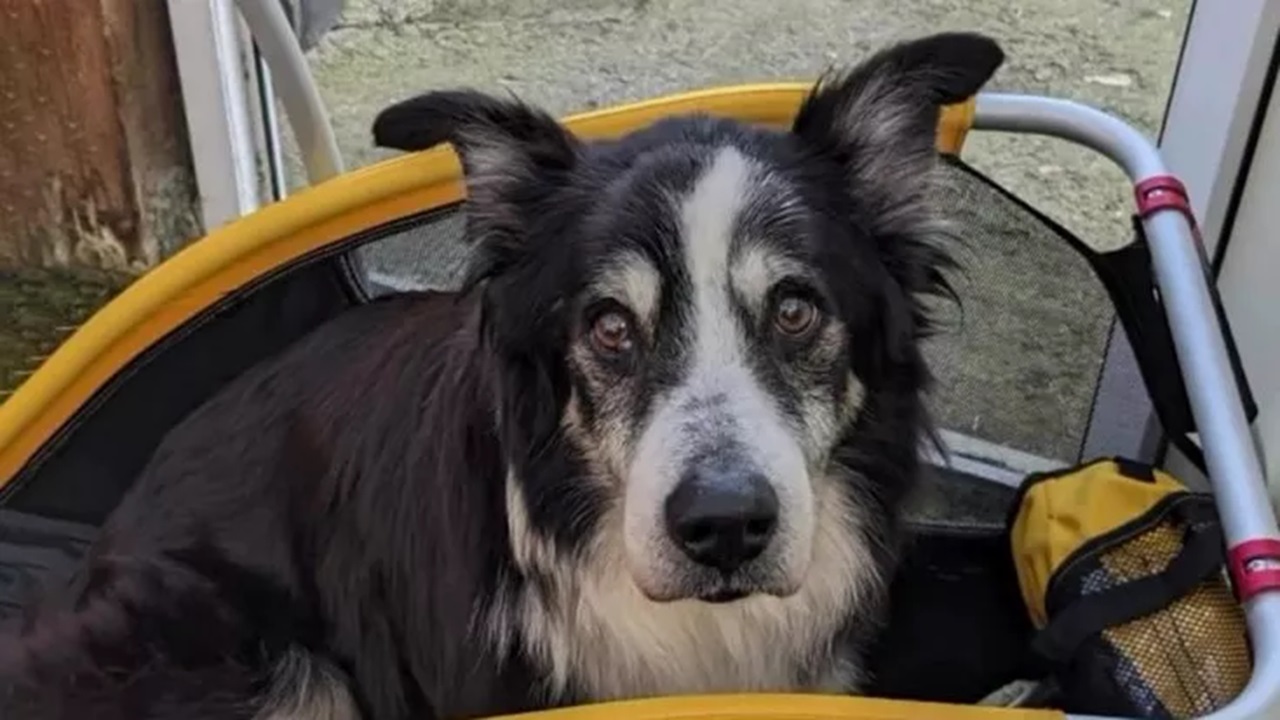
<point x="722" y="519"/>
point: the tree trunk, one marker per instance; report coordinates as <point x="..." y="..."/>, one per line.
<point x="95" y="169"/>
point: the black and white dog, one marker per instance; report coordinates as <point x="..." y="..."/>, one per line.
<point x="657" y="445"/>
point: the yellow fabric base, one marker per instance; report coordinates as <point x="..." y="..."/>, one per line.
<point x="781" y="707"/>
<point x="253" y="246"/>
<point x="1061" y="513"/>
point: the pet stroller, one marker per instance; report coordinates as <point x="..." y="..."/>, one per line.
<point x="75" y="434"/>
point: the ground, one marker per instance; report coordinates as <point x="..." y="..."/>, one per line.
<point x="571" y="55"/>
<point x="39" y="308"/>
<point x="1021" y="373"/>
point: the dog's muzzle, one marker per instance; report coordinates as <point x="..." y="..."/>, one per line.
<point x="722" y="516"/>
<point x="718" y="504"/>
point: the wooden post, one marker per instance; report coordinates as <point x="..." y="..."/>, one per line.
<point x="95" y="169"/>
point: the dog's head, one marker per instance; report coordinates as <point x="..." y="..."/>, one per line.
<point x="692" y="318"/>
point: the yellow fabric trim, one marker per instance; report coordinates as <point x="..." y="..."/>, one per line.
<point x="249" y="248"/>
<point x="781" y="707"/>
<point x="954" y="126"/>
<point x="1058" y="515"/>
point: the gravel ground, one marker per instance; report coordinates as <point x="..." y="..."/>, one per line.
<point x="40" y="308"/>
<point x="570" y="55"/>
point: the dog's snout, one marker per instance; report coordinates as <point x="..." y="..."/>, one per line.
<point x="722" y="518"/>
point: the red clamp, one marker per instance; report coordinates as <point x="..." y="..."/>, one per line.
<point x="1255" y="567"/>
<point x="1165" y="192"/>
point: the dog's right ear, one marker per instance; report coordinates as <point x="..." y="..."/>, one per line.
<point x="509" y="151"/>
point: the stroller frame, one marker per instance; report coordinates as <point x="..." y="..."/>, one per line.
<point x="1182" y="276"/>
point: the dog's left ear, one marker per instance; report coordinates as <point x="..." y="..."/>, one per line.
<point x="880" y="118"/>
<point x="878" y="122"/>
<point x="514" y="159"/>
<point x="511" y="152"/>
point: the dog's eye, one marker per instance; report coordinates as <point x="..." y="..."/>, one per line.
<point x="611" y="333"/>
<point x="795" y="315"/>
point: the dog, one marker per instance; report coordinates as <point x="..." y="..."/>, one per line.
<point x="658" y="443"/>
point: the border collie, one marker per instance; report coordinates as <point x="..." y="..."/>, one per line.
<point x="657" y="444"/>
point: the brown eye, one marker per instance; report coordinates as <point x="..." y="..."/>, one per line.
<point x="611" y="332"/>
<point x="795" y="315"/>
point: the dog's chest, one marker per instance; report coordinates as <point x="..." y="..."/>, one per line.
<point x="612" y="644"/>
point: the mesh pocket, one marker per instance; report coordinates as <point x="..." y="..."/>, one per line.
<point x="1191" y="658"/>
<point x="1188" y="659"/>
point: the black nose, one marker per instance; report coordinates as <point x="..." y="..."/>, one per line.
<point x="720" y="518"/>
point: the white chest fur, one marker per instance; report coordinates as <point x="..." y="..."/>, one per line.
<point x="596" y="633"/>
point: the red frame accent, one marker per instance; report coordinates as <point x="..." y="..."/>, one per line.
<point x="1165" y="192"/>
<point x="1250" y="582"/>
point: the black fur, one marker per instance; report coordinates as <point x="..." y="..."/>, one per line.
<point x="345" y="503"/>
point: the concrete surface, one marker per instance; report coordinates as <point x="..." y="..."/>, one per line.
<point x="574" y="54"/>
<point x="1022" y="370"/>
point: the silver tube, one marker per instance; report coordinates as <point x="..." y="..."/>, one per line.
<point x="292" y="78"/>
<point x="270" y="127"/>
<point x="1234" y="467"/>
<point x="1081" y="124"/>
<point x="1224" y="431"/>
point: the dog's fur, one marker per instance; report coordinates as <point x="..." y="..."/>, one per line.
<point x="451" y="505"/>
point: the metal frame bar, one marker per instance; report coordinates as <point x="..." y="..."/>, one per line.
<point x="1246" y="282"/>
<point x="1182" y="276"/>
<point x="1215" y="100"/>
<point x="291" y="77"/>
<point x="212" y="73"/>
<point x="213" y="66"/>
<point x="274" y="150"/>
<point x="1123" y="420"/>
<point x="986" y="460"/>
